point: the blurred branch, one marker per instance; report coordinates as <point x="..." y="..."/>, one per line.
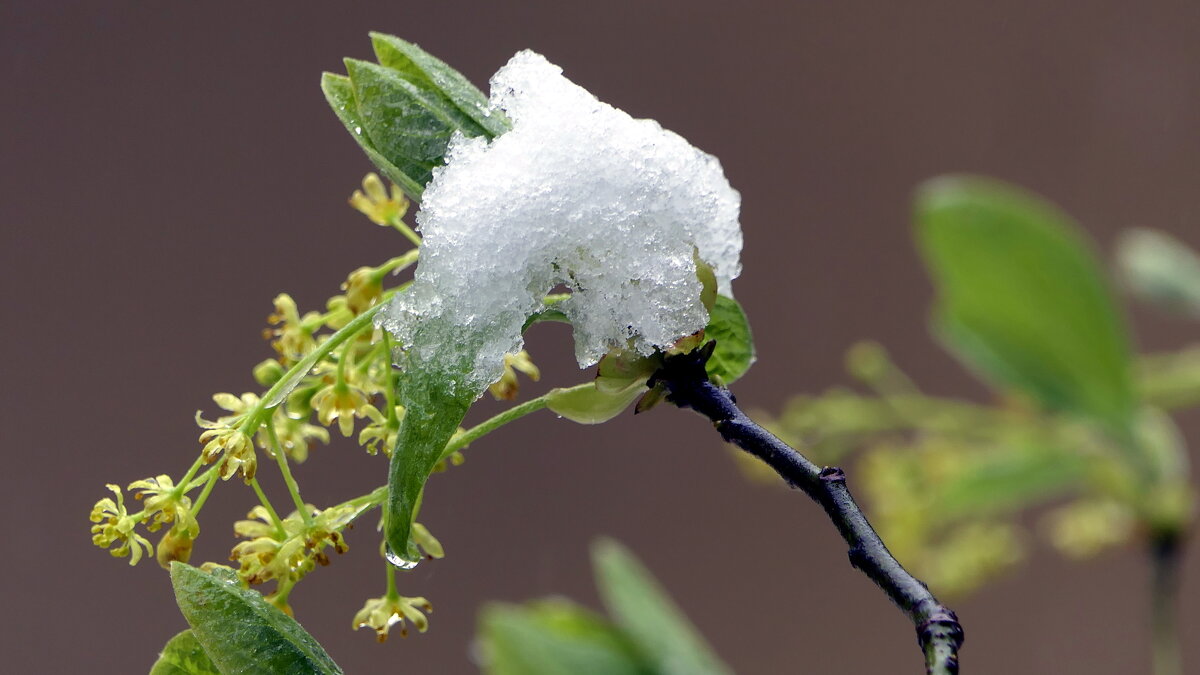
<point x="1165" y="549"/>
<point x="938" y="630"/>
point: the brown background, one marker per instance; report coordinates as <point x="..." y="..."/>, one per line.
<point x="167" y="170"/>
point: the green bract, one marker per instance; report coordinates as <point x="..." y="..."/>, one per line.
<point x="403" y="110"/>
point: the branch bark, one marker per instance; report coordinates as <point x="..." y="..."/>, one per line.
<point x="939" y="633"/>
<point x="1165" y="555"/>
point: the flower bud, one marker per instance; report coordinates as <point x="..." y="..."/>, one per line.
<point x="176" y="544"/>
<point x="268" y="372"/>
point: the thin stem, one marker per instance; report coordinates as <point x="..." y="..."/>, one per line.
<point x="262" y="499"/>
<point x="392" y="593"/>
<point x="187" y="477"/>
<point x="407" y="232"/>
<point x="278" y="391"/>
<point x="212" y="474"/>
<point x="398" y="263"/>
<point x="487" y="426"/>
<point x="939" y="633"/>
<point x="473" y="434"/>
<point x="1165" y="555"/>
<point x="284" y="469"/>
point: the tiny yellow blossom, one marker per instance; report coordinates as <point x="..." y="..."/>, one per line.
<point x="507" y="387"/>
<point x="113" y="524"/>
<point x="374" y="202"/>
<point x="364" y="288"/>
<point x="342" y="402"/>
<point x="289" y="555"/>
<point x="293" y="338"/>
<point x="163" y="504"/>
<point x="234" y="447"/>
<point x="295" y="434"/>
<point x="382" y="613"/>
<point x="381" y="432"/>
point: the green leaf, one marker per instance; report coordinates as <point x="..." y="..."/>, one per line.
<point x="1009" y="479"/>
<point x="552" y="638"/>
<point x="403" y="123"/>
<point x="183" y="655"/>
<point x="1022" y="299"/>
<point x="435" y="403"/>
<point x="339" y="92"/>
<point x="588" y="404"/>
<point x="241" y="632"/>
<point x="1161" y="270"/>
<point x="648" y="616"/>
<point x="461" y="99"/>
<point x="734" y="352"/>
<point x="403" y="111"/>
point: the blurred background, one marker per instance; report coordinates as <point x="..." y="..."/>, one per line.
<point x="169" y="169"/>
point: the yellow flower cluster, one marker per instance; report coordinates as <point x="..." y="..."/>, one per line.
<point x="330" y="368"/>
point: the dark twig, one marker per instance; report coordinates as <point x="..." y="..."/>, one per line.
<point x="1166" y="548"/>
<point x="938" y="630"/>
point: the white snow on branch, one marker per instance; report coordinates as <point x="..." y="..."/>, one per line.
<point x="577" y="193"/>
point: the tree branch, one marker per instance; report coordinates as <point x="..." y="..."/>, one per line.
<point x="1165" y="555"/>
<point x="938" y="631"/>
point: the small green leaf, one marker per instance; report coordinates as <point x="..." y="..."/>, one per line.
<point x="241" y="632"/>
<point x="554" y="637"/>
<point x="339" y="92"/>
<point x="734" y="352"/>
<point x="586" y="404"/>
<point x="548" y="314"/>
<point x="1161" y="270"/>
<point x="463" y="101"/>
<point x="1022" y="299"/>
<point x="401" y="121"/>
<point x="183" y="655"/>
<point x="647" y="615"/>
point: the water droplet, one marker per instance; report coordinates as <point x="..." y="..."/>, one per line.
<point x="398" y="561"/>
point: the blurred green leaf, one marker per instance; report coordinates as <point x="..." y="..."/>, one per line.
<point x="183" y="655"/>
<point x="1022" y="299"/>
<point x="554" y="637"/>
<point x="1009" y="480"/>
<point x="734" y="352"/>
<point x="647" y="615"/>
<point x="241" y="632"/>
<point x="1161" y="270"/>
